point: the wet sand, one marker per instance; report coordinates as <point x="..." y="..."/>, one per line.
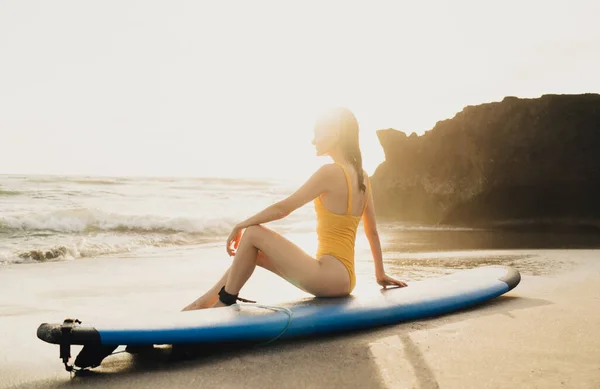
<point x="543" y="334"/>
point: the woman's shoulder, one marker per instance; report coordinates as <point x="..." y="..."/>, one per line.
<point x="333" y="168"/>
<point x="330" y="168"/>
<point x="327" y="171"/>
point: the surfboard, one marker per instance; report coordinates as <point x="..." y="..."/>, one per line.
<point x="307" y="317"/>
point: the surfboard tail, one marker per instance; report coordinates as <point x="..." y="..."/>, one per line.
<point x="65" y="336"/>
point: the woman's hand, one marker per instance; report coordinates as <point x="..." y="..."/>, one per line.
<point x="233" y="240"/>
<point x="385" y="280"/>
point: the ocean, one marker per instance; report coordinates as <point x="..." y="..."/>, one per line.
<point x="66" y="218"/>
<point x="63" y="218"/>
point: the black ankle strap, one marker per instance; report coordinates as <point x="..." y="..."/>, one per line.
<point x="230" y="299"/>
<point x="227" y="298"/>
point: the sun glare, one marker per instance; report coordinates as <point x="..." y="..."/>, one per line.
<point x="203" y="90"/>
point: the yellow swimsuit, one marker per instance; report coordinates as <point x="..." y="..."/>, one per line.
<point x="337" y="233"/>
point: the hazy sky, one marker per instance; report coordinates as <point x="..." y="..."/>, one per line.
<point x="232" y="87"/>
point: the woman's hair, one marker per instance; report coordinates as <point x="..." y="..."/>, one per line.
<point x="348" y="140"/>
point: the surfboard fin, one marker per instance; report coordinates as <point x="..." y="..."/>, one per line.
<point x="92" y="355"/>
<point x="65" y="341"/>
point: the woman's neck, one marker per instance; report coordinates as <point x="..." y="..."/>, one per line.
<point x="337" y="156"/>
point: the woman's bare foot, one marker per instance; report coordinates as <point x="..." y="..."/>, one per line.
<point x="218" y="304"/>
<point x="192" y="307"/>
<point x="201" y="303"/>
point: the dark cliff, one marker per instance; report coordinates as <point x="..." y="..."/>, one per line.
<point x="512" y="162"/>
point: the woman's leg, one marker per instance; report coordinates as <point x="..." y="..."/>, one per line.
<point x="289" y="261"/>
<point x="209" y="298"/>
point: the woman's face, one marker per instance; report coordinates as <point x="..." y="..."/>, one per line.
<point x="325" y="139"/>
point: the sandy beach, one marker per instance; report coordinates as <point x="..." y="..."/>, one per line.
<point x="137" y="136"/>
<point x="543" y="334"/>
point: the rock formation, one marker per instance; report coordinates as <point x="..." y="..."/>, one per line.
<point x="514" y="162"/>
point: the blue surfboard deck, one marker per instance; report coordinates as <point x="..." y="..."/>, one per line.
<point x="308" y="317"/>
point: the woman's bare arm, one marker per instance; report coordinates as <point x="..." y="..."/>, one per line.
<point x="313" y="187"/>
<point x="370" y="226"/>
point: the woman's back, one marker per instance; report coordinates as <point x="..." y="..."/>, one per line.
<point x="338" y="214"/>
<point x="344" y="187"/>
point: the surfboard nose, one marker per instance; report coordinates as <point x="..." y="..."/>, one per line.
<point x="511" y="278"/>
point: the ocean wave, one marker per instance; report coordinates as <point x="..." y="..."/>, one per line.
<point x="78" y="180"/>
<point x="96" y="182"/>
<point x="233" y="181"/>
<point x="10" y="193"/>
<point x="94" y="220"/>
<point x="184" y="182"/>
<point x="88" y="248"/>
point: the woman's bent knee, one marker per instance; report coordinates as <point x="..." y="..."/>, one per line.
<point x="253" y="232"/>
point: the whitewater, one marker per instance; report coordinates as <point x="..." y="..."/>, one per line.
<point x="66" y="217"/>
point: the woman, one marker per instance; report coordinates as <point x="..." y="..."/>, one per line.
<point x="342" y="197"/>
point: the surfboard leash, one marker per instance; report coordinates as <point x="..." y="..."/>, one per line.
<point x="277" y="309"/>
